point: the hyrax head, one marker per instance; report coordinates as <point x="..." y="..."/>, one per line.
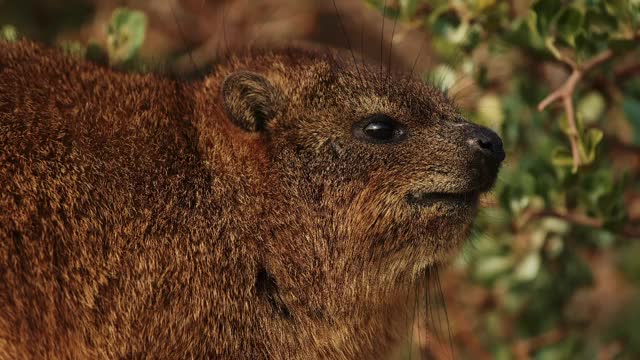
<point x="367" y="172"/>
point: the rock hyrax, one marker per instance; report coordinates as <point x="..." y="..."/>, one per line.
<point x="280" y="207"/>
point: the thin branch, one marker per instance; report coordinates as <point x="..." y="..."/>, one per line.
<point x="597" y="60"/>
<point x="629" y="230"/>
<point x="566" y="90"/>
<point x="628" y="72"/>
<point x="565" y="94"/>
<point x="532" y="215"/>
<point x="551" y="46"/>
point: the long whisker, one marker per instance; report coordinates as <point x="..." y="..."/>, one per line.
<point x="421" y="326"/>
<point x="415" y="62"/>
<point x="362" y="50"/>
<point x="409" y="324"/>
<point x="224" y="28"/>
<point x="437" y="300"/>
<point x="444" y="305"/>
<point x="429" y="310"/>
<point x="393" y="33"/>
<point x="344" y="32"/>
<point x="183" y="35"/>
<point x="384" y="15"/>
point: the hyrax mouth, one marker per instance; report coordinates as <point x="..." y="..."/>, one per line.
<point x="452" y="199"/>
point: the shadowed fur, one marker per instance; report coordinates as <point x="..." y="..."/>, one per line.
<point x="234" y="216"/>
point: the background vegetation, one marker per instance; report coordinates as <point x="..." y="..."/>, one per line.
<point x="553" y="269"/>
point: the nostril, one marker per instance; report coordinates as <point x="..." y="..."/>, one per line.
<point x="485" y="144"/>
<point x="488" y="142"/>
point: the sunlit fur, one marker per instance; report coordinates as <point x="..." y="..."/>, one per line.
<point x="136" y="218"/>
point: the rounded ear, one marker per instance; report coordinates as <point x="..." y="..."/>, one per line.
<point x="250" y="100"/>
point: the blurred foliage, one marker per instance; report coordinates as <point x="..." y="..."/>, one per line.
<point x="539" y="247"/>
<point x="555" y="256"/>
<point x="125" y="35"/>
<point x="44" y="20"/>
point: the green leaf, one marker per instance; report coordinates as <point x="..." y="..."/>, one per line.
<point x="570" y="22"/>
<point x="490" y="111"/>
<point x="626" y="11"/>
<point x="442" y="77"/>
<point x="546" y="12"/>
<point x="73" y="48"/>
<point x="527" y="270"/>
<point x="491" y="267"/>
<point x="589" y="143"/>
<point x="562" y="157"/>
<point x="8" y="33"/>
<point x="408" y="8"/>
<point x="482" y="5"/>
<point x="374" y="3"/>
<point x="597" y="186"/>
<point x="563" y="124"/>
<point x="591" y="107"/>
<point x="532" y="25"/>
<point x="125" y="34"/>
<point x="600" y="22"/>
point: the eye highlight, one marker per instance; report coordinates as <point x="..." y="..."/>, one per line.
<point x="379" y="129"/>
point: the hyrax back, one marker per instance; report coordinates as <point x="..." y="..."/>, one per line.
<point x="280" y="207"/>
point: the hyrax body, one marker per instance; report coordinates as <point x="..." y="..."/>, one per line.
<point x="281" y="207"/>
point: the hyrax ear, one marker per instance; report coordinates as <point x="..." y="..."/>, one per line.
<point x="250" y="100"/>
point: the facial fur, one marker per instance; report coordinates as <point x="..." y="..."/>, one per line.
<point x="384" y="212"/>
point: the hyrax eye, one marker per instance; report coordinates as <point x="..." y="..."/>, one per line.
<point x="379" y="129"/>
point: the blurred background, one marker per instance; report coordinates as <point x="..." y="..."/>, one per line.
<point x="553" y="267"/>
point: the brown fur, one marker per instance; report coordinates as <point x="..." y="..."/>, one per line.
<point x="143" y="216"/>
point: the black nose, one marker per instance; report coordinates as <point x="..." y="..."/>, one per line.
<point x="487" y="142"/>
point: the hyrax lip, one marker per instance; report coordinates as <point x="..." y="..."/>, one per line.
<point x="432" y="198"/>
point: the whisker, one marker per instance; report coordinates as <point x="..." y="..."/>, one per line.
<point x="409" y="324"/>
<point x="384" y="15"/>
<point x="415" y="62"/>
<point x="224" y="28"/>
<point x="183" y="35"/>
<point x="393" y="33"/>
<point x="362" y="50"/>
<point x="444" y="306"/>
<point x="429" y="305"/>
<point x="344" y="32"/>
<point x="426" y="310"/>
<point x="437" y="300"/>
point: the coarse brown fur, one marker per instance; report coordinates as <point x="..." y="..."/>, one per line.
<point x="234" y="216"/>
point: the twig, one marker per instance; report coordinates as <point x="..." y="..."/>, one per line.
<point x="565" y="93"/>
<point x="629" y="230"/>
<point x="566" y="90"/>
<point x="628" y="72"/>
<point x="578" y="219"/>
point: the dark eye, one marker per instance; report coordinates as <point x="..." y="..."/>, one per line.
<point x="379" y="129"/>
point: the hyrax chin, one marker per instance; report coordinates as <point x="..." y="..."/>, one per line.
<point x="281" y="207"/>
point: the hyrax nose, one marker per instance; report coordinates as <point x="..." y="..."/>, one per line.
<point x="486" y="142"/>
